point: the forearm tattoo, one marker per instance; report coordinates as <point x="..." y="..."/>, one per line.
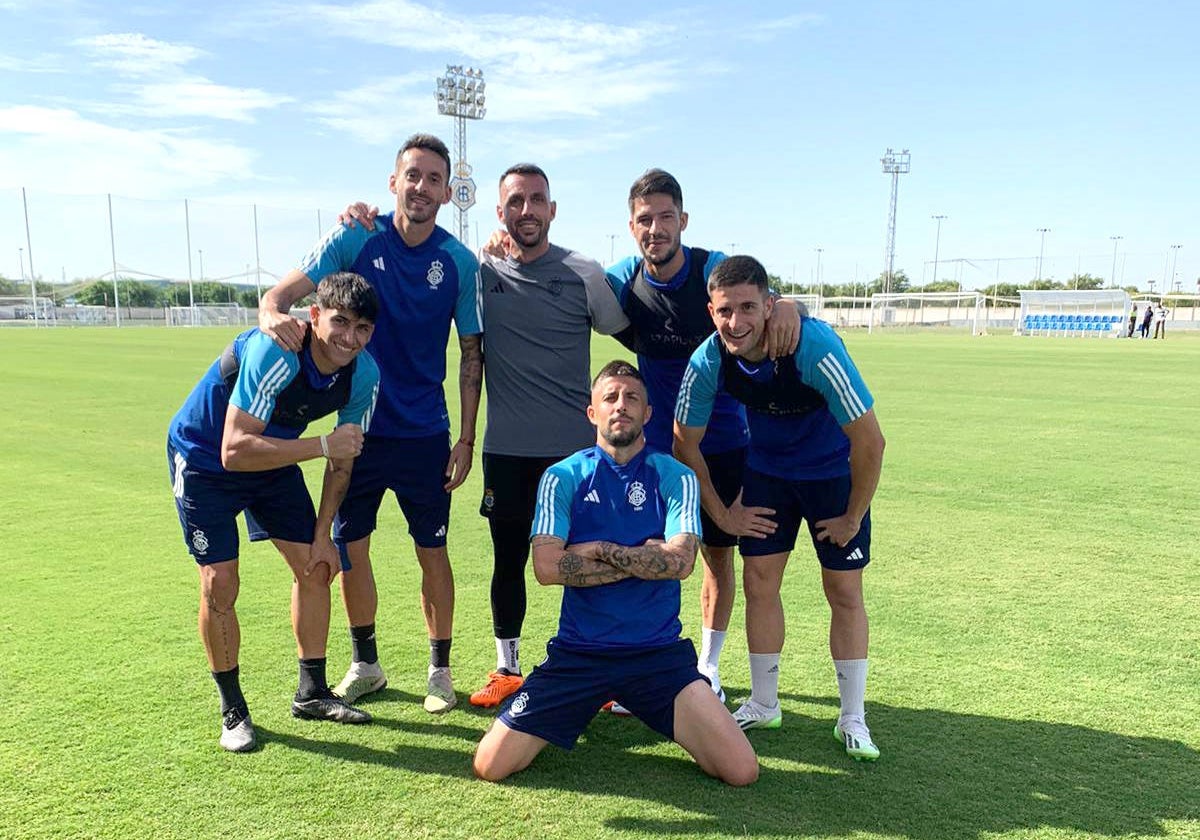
<point x="470" y="369"/>
<point x="574" y="570"/>
<point x="660" y="561"/>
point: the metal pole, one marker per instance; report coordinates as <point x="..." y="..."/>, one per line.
<point x="187" y="223"/>
<point x="1174" y="263"/>
<point x="112" y="244"/>
<point x="820" y="288"/>
<point x="937" y="245"/>
<point x="612" y="247"/>
<point x="257" y="259"/>
<point x="29" y="247"/>
<point x="1041" y="250"/>
<point x="1115" y="241"/>
<point x="320" y="227"/>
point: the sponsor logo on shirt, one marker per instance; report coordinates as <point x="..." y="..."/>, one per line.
<point x="378" y="263"/>
<point x="592" y="496"/>
<point x="435" y="275"/>
<point x="637" y="495"/>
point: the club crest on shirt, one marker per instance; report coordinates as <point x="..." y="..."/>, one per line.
<point x="199" y="541"/>
<point x="637" y="495"/>
<point x="435" y="275"/>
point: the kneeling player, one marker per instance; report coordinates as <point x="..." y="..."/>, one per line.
<point x="234" y="446"/>
<point x="617" y="526"/>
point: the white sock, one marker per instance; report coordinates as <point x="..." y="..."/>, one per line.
<point x="508" y="655"/>
<point x="852" y="686"/>
<point x="764" y="679"/>
<point x="711" y="642"/>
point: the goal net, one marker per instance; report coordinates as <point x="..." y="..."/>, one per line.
<point x="1089" y="312"/>
<point x="27" y="309"/>
<point x="960" y="310"/>
<point x="207" y="315"/>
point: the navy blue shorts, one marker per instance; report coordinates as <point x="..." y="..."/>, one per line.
<point x="276" y="505"/>
<point x="811" y="501"/>
<point x="562" y="694"/>
<point x="414" y="469"/>
<point x="726" y="469"/>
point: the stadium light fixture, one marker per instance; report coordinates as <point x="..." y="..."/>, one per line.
<point x="461" y="95"/>
<point x="894" y="164"/>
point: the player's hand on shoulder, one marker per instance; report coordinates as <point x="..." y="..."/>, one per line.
<point x="345" y="442"/>
<point x="498" y="244"/>
<point x="742" y="521"/>
<point x="839" y="530"/>
<point x="783" y="329"/>
<point x="359" y="212"/>
<point x="282" y="328"/>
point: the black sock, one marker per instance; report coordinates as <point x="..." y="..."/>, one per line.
<point x="230" y="690"/>
<point x="439" y="653"/>
<point x="312" y="679"/>
<point x="362" y="641"/>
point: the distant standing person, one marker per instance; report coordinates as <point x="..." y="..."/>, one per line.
<point x="234" y="446"/>
<point x="1147" y="317"/>
<point x="1160" y="320"/>
<point x="1132" y="321"/>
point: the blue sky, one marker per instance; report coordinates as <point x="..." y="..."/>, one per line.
<point x="1077" y="117"/>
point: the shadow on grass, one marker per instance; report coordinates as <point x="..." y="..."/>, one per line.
<point x="943" y="776"/>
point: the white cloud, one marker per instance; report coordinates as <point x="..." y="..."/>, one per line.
<point x="769" y="30"/>
<point x="133" y="54"/>
<point x="40" y="64"/>
<point x="60" y="150"/>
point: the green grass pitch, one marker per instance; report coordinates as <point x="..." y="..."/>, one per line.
<point x="1033" y="599"/>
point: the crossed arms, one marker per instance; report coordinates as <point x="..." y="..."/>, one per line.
<point x="597" y="563"/>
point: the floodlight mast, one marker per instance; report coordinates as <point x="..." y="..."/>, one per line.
<point x="460" y="95"/>
<point x="894" y="164"/>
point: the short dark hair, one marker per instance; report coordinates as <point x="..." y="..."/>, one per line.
<point x="656" y="182"/>
<point x="739" y="270"/>
<point x="525" y="169"/>
<point x="428" y="142"/>
<point x="348" y="292"/>
<point x="618" y="367"/>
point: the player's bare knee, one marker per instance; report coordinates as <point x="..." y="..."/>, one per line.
<point x="487" y="768"/>
<point x="219" y="585"/>
<point x="740" y="775"/>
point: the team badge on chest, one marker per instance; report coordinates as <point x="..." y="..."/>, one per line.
<point x="435" y="275"/>
<point x="637" y="495"/>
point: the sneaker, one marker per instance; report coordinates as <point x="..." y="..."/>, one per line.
<point x="237" y="731"/>
<point x="754" y="715"/>
<point x="615" y="708"/>
<point x="328" y="706"/>
<point x="499" y="686"/>
<point x="362" y="679"/>
<point x="852" y="732"/>
<point x="439" y="691"/>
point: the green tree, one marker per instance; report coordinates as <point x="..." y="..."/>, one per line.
<point x="900" y="283"/>
<point x="1085" y="281"/>
<point x="938" y="286"/>
<point x="775" y="284"/>
<point x="248" y="298"/>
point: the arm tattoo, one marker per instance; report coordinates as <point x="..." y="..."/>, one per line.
<point x="574" y="570"/>
<point x="661" y="561"/>
<point x="470" y="369"/>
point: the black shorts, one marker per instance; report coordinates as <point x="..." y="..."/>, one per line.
<point x="725" y="469"/>
<point x="510" y="484"/>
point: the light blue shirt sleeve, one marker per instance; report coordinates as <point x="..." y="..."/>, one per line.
<point x="714" y="257"/>
<point x="825" y="365"/>
<point x="619" y="276"/>
<point x="337" y="251"/>
<point x="468" y="310"/>
<point x="364" y="392"/>
<point x="698" y="390"/>
<point x="681" y="491"/>
<point x="552" y="515"/>
<point x="264" y="370"/>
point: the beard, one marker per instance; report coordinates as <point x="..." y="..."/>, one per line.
<point x="672" y="250"/>
<point x="528" y="240"/>
<point x="622" y="438"/>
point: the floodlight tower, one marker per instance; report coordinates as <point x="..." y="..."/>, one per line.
<point x="937" y="243"/>
<point x="1116" y="240"/>
<point x="1174" y="263"/>
<point x="894" y="164"/>
<point x="460" y="95"/>
<point x="1041" y="251"/>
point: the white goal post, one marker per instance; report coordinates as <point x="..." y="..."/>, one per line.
<point x="1085" y="312"/>
<point x="927" y="309"/>
<point x="27" y="309"/>
<point x="207" y="315"/>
